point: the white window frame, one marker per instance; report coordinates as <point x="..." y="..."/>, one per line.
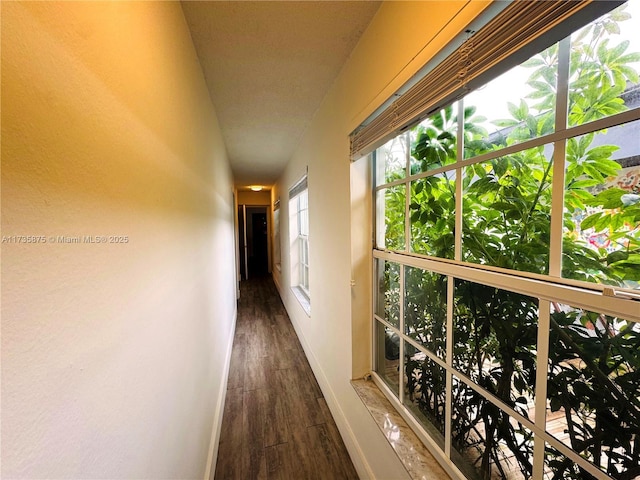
<point x="547" y="288"/>
<point x="302" y="214"/>
<point x="299" y="242"/>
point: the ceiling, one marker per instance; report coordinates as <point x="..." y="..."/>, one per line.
<point x="268" y="65"/>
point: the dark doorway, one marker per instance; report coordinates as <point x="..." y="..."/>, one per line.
<point x="253" y="241"/>
<point x="257" y="241"/>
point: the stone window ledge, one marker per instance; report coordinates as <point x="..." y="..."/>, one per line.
<point x="302" y="299"/>
<point x="415" y="457"/>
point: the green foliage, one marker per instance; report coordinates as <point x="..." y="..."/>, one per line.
<point x="394" y="217"/>
<point x="594" y="364"/>
<point x="493" y="333"/>
<point x="599" y="71"/>
<point x="435" y="141"/>
<point x="433" y="216"/>
<point x="507" y="211"/>
<point x="594" y="382"/>
<point x="425" y="310"/>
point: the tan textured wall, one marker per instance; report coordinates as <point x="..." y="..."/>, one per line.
<point x="402" y="37"/>
<point x="247" y="197"/>
<point x="113" y="354"/>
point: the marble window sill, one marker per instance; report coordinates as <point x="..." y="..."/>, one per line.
<point x="415" y="457"/>
<point x="304" y="301"/>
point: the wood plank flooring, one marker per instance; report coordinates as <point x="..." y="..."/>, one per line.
<point x="276" y="423"/>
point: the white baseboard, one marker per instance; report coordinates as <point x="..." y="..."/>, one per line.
<point x="217" y="418"/>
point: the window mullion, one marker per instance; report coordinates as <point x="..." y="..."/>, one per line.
<point x="574" y="131"/>
<point x="407" y="194"/>
<point x="449" y="359"/>
<point x="458" y="199"/>
<point x="559" y="151"/>
<point x="542" y="360"/>
<point x="577" y="297"/>
<point x="401" y="364"/>
<point x="375" y="301"/>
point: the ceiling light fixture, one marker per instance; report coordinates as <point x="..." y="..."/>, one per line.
<point x="256" y="188"/>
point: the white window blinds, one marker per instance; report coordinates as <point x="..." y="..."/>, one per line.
<point x="299" y="187"/>
<point x="518" y="31"/>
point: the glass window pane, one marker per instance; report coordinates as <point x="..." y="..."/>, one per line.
<point x="425" y="309"/>
<point x="388" y="291"/>
<point x="433" y="141"/>
<point x="391" y="160"/>
<point x="304" y="281"/>
<point x="425" y="391"/>
<point x="304" y="243"/>
<point x="390" y="218"/>
<point x="495" y="342"/>
<point x="556" y="463"/>
<point x="301" y="249"/>
<point x="303" y="212"/>
<point x="388" y="356"/>
<point x="432" y="210"/>
<point x="517" y="106"/>
<point x="602" y="207"/>
<point x="605" y="64"/>
<point x="487" y="443"/>
<point x="507" y="211"/>
<point x="593" y="388"/>
<point x="304" y="222"/>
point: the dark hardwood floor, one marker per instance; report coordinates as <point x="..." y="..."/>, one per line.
<point x="276" y="423"/>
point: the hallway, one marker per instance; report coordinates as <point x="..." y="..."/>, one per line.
<point x="276" y="423"/>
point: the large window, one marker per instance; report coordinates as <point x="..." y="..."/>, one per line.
<point x="507" y="265"/>
<point x="299" y="240"/>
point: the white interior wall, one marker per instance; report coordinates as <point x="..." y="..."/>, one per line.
<point x="402" y="37"/>
<point x="114" y="356"/>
